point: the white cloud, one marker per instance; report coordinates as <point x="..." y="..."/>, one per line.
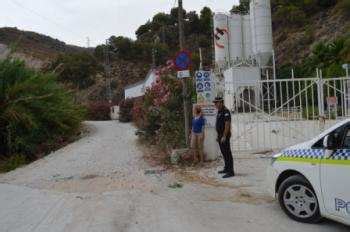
<point x="74" y="20"/>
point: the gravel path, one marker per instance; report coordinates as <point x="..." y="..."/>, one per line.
<point x="101" y="183"/>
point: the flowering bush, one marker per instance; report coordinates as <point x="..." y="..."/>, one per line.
<point x="98" y="111"/>
<point x="163" y="113"/>
<point x="160" y="92"/>
<point x="137" y="112"/>
<point x="125" y="110"/>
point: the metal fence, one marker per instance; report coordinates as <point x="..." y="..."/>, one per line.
<point x="274" y="114"/>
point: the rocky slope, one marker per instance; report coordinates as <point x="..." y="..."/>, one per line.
<point x="33" y="46"/>
<point x="294" y="44"/>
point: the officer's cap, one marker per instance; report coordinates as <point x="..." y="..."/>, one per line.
<point x="218" y="99"/>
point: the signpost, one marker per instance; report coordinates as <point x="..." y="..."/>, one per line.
<point x="182" y="63"/>
<point x="205" y="95"/>
<point x="183" y="74"/>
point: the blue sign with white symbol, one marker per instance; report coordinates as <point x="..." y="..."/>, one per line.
<point x="183" y="60"/>
<point x="207" y="76"/>
<point x="204" y="86"/>
<point x="200" y="87"/>
<point x="207" y="86"/>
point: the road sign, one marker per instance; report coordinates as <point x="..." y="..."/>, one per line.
<point x="204" y="87"/>
<point x="183" y="61"/>
<point x="183" y="74"/>
<point x="346" y="66"/>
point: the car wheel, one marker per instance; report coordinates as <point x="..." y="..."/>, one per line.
<point x="298" y="200"/>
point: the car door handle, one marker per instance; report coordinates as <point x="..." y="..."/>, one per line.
<point x="313" y="164"/>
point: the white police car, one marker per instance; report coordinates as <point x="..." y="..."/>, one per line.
<point x="312" y="180"/>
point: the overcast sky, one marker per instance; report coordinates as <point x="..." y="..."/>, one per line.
<point x="72" y="21"/>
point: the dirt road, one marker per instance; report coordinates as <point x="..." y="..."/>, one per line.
<point x="101" y="183"/>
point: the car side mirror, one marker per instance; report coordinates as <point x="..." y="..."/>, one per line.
<point x="329" y="145"/>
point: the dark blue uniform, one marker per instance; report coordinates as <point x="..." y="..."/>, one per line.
<point x="224" y="116"/>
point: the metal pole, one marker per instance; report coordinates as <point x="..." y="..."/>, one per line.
<point x="274" y="77"/>
<point x="228" y="44"/>
<point x="153" y="57"/>
<point x="320" y="93"/>
<point x="108" y="74"/>
<point x="201" y="59"/>
<point x="347" y="95"/>
<point x="243" y="38"/>
<point x="184" y="84"/>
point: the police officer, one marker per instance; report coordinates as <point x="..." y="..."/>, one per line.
<point x="223" y="128"/>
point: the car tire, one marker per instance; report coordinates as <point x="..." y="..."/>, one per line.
<point x="298" y="200"/>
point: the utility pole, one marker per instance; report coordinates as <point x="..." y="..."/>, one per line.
<point x="184" y="84"/>
<point x="108" y="74"/>
<point x="154" y="51"/>
<point x="153" y="57"/>
<point x="201" y="59"/>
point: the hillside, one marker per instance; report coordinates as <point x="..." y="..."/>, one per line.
<point x="39" y="51"/>
<point x="36" y="45"/>
<point x="296" y="31"/>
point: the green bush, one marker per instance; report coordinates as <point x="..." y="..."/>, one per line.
<point x="34" y="110"/>
<point x="290" y="15"/>
<point x="242" y="8"/>
<point x="163" y="113"/>
<point x="310" y="112"/>
<point x="79" y="69"/>
<point x="125" y="110"/>
<point x="343" y="6"/>
<point x="98" y="111"/>
<point x="328" y="56"/>
<point x="15" y="161"/>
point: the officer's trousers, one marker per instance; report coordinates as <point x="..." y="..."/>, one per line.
<point x="227" y="154"/>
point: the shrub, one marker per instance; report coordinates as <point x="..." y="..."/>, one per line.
<point x="34" y="109"/>
<point x="343" y="6"/>
<point x="290" y="15"/>
<point x="163" y="113"/>
<point x="310" y="112"/>
<point x="138" y="112"/>
<point x="125" y="110"/>
<point x="328" y="56"/>
<point x="78" y="69"/>
<point x="12" y="163"/>
<point x="99" y="111"/>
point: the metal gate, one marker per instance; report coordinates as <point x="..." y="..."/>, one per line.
<point x="270" y="115"/>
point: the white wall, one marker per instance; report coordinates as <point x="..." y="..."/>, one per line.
<point x="138" y="90"/>
<point x="151" y="77"/>
<point x="115" y="112"/>
<point x="238" y="79"/>
<point x="135" y="91"/>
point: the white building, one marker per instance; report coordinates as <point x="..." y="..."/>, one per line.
<point x="139" y="89"/>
